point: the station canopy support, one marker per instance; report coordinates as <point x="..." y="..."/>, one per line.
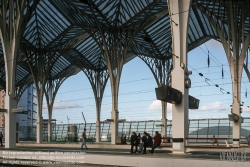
<point x="179" y="24"/>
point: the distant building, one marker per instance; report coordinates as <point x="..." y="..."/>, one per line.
<point x="45" y="122"/>
<point x="45" y="128"/>
<point x="2" y="102"/>
<point x="28" y="102"/>
<point x="27" y="122"/>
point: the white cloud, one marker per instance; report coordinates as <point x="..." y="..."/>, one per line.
<point x="214" y="117"/>
<point x="225" y="109"/>
<point x="63" y="105"/>
<point x="156" y="106"/>
<point x="197" y="117"/>
<point x="211" y="106"/>
<point x="169" y="116"/>
<point x="245" y="109"/>
<point x="214" y="44"/>
<point x="194" y="116"/>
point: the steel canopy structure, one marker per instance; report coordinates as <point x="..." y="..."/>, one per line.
<point x="100" y="36"/>
<point x="68" y="27"/>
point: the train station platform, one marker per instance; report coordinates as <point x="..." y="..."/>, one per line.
<point x="105" y="154"/>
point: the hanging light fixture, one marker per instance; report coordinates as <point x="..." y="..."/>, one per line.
<point x="222" y="72"/>
<point x="208" y="60"/>
<point x="84" y="1"/>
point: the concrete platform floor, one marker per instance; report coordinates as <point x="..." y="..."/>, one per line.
<point x="105" y="154"/>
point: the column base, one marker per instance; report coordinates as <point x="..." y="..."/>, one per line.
<point x="98" y="132"/>
<point x="39" y="130"/>
<point x="113" y="141"/>
<point x="114" y="129"/>
<point x="236" y="143"/>
<point x="10" y="131"/>
<point x="179" y="148"/>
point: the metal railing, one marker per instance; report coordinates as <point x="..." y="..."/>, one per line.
<point x="197" y="128"/>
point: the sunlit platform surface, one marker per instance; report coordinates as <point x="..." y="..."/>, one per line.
<point x="105" y="154"/>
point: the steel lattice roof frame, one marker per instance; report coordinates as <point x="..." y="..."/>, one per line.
<point x="67" y="26"/>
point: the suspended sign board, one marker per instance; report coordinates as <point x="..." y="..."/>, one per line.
<point x="3" y="110"/>
<point x="17" y="110"/>
<point x="168" y="94"/>
<point x="193" y="102"/>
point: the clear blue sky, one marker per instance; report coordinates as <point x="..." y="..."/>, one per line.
<point x="137" y="100"/>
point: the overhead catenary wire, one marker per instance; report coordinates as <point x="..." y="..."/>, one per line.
<point x="127" y="93"/>
<point x="208" y="79"/>
<point x="224" y="64"/>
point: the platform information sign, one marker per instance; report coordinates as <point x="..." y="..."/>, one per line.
<point x="3" y="110"/>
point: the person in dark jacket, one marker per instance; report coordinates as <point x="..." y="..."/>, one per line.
<point x="133" y="142"/>
<point x="149" y="140"/>
<point x="1" y="138"/>
<point x="144" y="143"/>
<point x="139" y="138"/>
<point x="157" y="142"/>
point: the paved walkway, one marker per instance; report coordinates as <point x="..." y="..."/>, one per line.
<point x="117" y="155"/>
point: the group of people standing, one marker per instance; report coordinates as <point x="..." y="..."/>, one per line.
<point x="141" y="143"/>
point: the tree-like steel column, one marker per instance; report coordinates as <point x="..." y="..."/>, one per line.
<point x="98" y="79"/>
<point x="51" y="88"/>
<point x="19" y="91"/>
<point x="179" y="17"/>
<point x="245" y="66"/>
<point x="40" y="62"/>
<point x="114" y="34"/>
<point x="22" y="86"/>
<point x="13" y="20"/>
<point x="114" y="42"/>
<point x="161" y="69"/>
<point x="2" y="70"/>
<point x="235" y="41"/>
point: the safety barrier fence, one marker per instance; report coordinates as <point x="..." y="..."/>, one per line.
<point x="221" y="127"/>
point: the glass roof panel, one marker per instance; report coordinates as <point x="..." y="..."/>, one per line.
<point x="71" y="28"/>
<point x="45" y="25"/>
<point x="122" y="10"/>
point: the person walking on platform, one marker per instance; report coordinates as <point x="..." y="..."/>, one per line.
<point x="133" y="142"/>
<point x="84" y="139"/>
<point x="1" y="138"/>
<point x="157" y="142"/>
